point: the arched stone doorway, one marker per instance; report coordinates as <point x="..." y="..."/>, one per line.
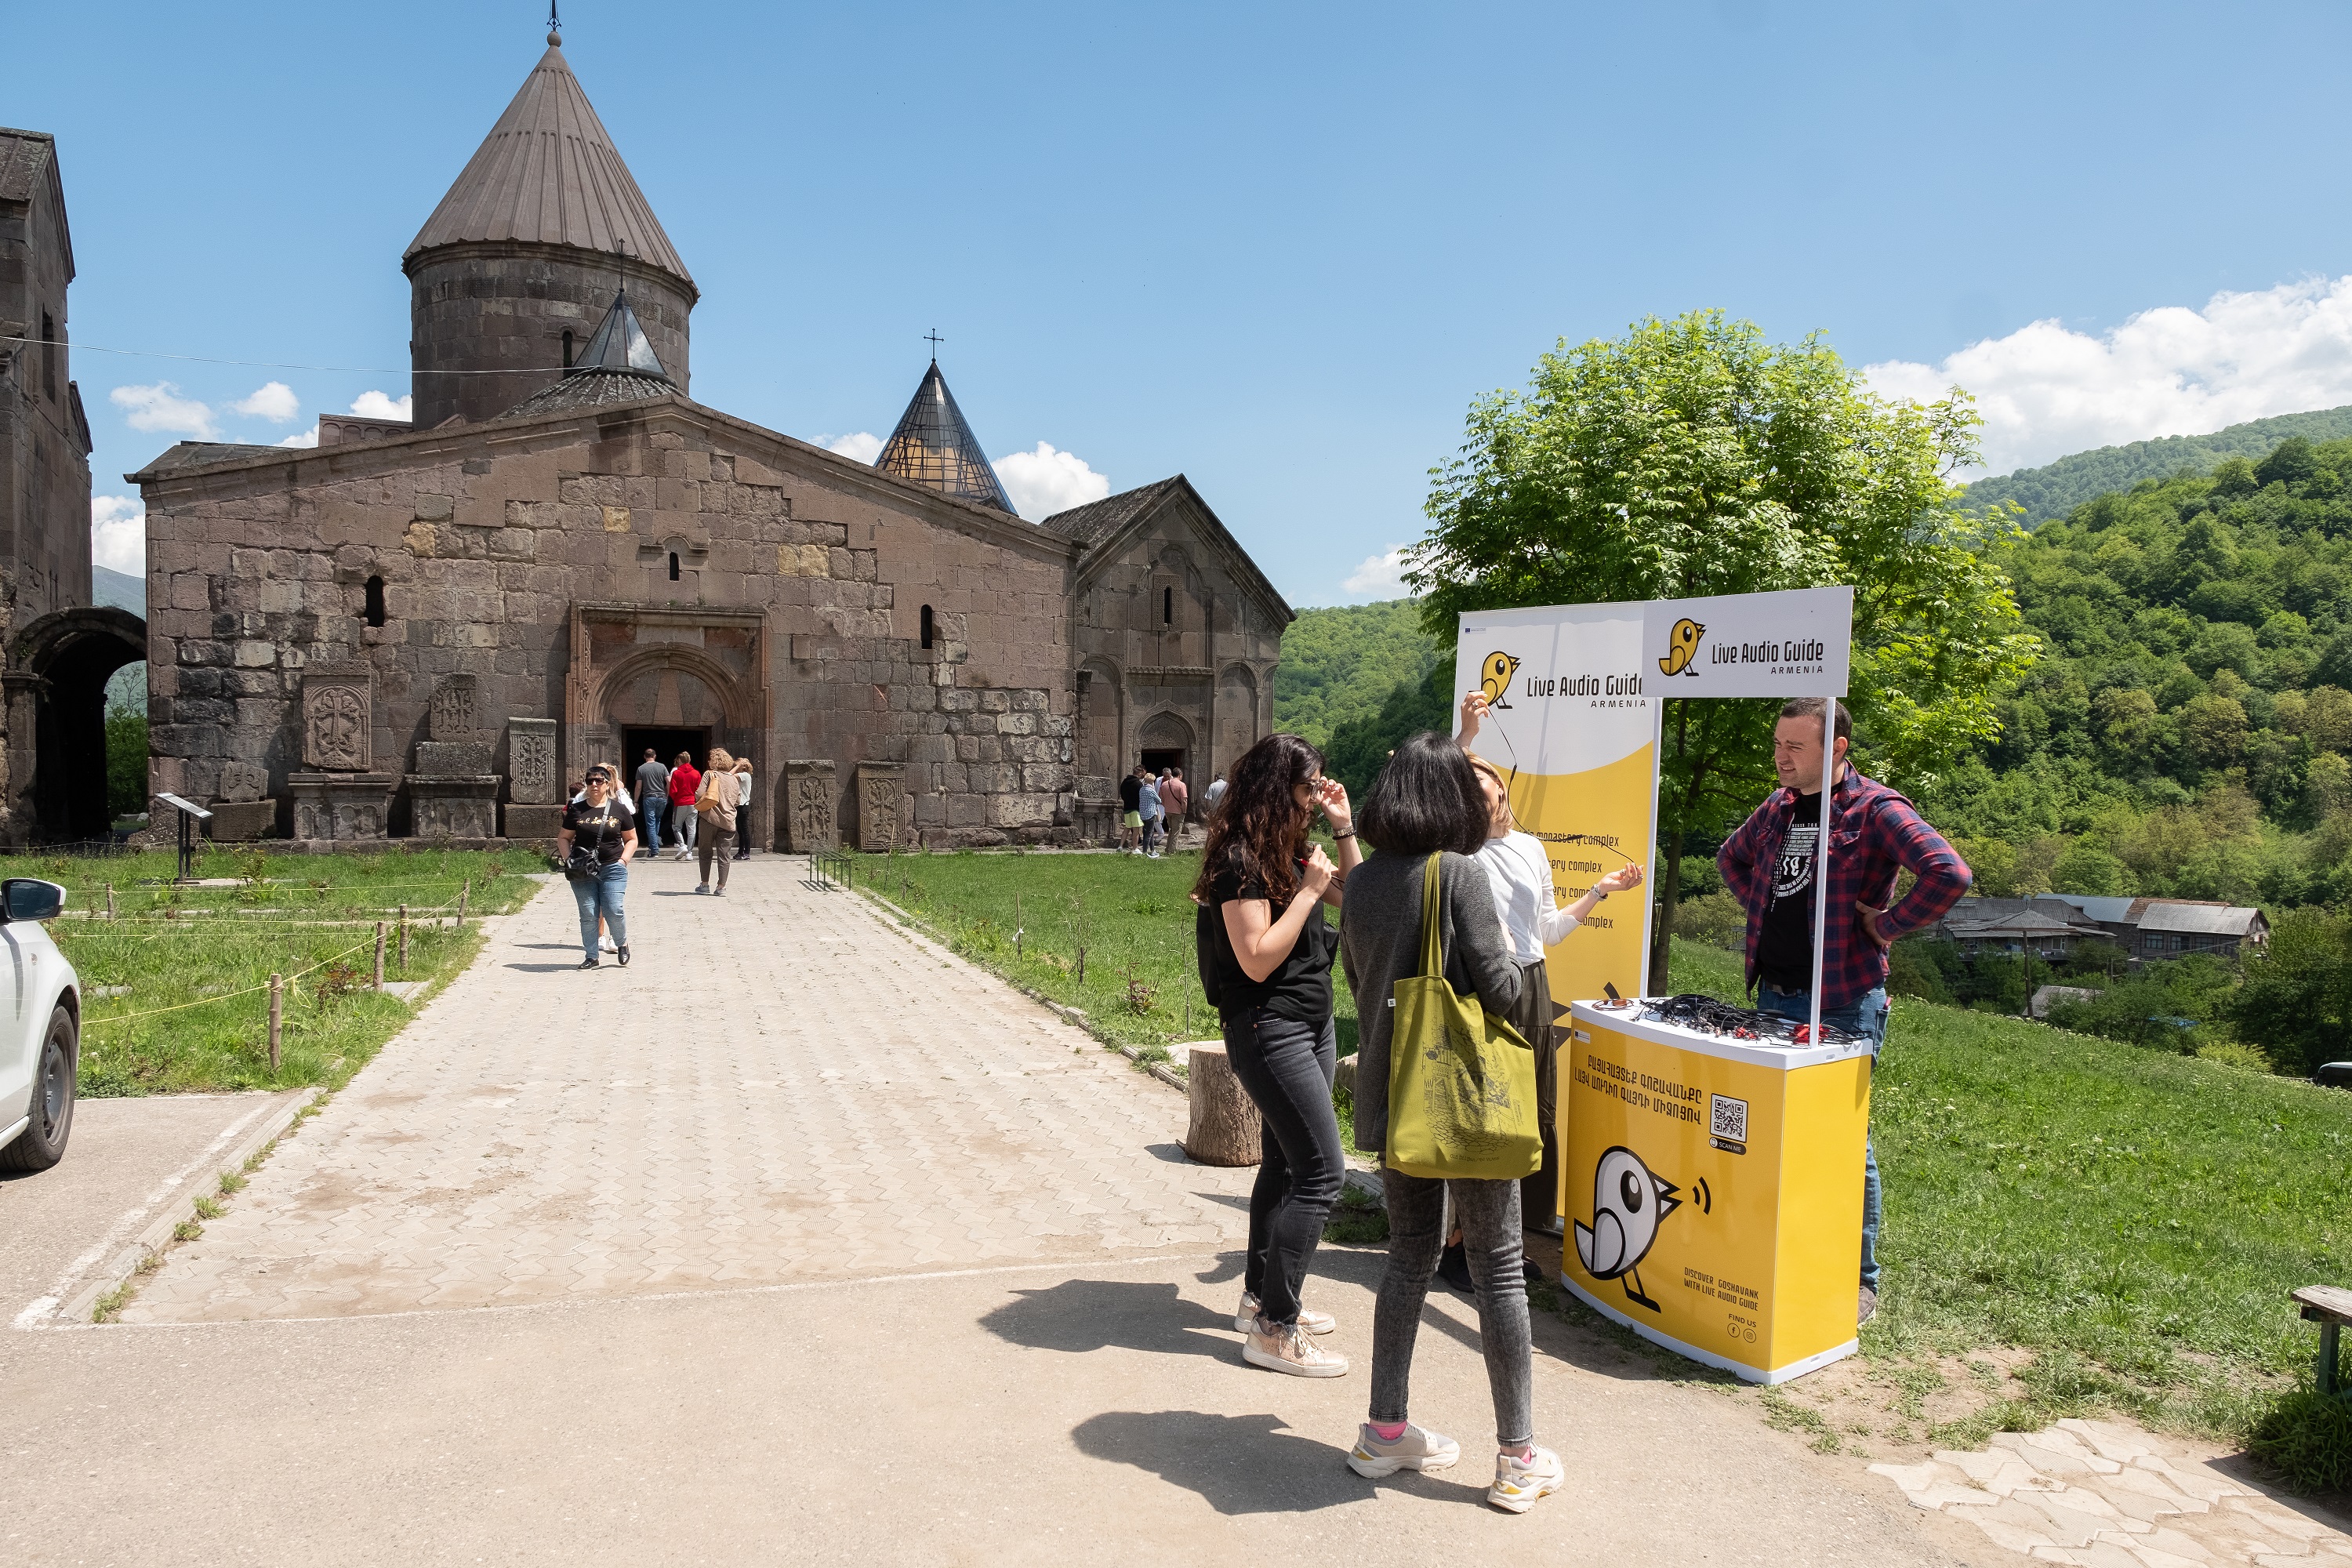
<point x="56" y="721"/>
<point x="1165" y="741"/>
<point x="672" y="680"/>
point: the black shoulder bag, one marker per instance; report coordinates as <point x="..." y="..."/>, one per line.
<point x="585" y="865"/>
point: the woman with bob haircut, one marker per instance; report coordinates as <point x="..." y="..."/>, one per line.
<point x="1427" y="801"/>
<point x="1264" y="943"/>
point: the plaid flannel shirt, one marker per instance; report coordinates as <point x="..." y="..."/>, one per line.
<point x="1874" y="832"/>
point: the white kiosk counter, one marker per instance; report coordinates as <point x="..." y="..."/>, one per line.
<point x="1713" y="1186"/>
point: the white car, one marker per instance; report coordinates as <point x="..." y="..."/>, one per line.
<point x="40" y="1028"/>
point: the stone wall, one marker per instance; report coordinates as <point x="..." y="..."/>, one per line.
<point x="506" y="550"/>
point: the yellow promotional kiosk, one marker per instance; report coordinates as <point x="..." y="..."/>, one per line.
<point x="1714" y="1196"/>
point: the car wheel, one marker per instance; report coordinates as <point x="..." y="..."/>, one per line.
<point x="43" y="1142"/>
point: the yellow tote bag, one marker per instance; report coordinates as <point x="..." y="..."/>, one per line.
<point x="1462" y="1084"/>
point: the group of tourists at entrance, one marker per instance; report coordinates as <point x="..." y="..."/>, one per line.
<point x="708" y="811"/>
<point x="1444" y="937"/>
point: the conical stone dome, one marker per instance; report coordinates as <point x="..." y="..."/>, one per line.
<point x="513" y="269"/>
<point x="934" y="447"/>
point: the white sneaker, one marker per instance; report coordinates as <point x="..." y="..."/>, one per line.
<point x="606" y="945"/>
<point x="1519" y="1483"/>
<point x="1313" y="1322"/>
<point x="1280" y="1347"/>
<point x="1414" y="1450"/>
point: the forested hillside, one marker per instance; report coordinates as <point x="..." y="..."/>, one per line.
<point x="2186" y="731"/>
<point x="2058" y="488"/>
<point x="1339" y="664"/>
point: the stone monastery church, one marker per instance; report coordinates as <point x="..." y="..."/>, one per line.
<point x="431" y="629"/>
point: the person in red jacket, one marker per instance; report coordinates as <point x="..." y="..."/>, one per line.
<point x="685" y="778"/>
<point x="1768" y="866"/>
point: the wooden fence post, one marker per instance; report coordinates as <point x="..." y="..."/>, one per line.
<point x="109" y="901"/>
<point x="463" y="893"/>
<point x="378" y="955"/>
<point x="403" y="939"/>
<point x="277" y="1017"/>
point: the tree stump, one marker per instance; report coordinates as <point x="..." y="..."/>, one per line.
<point x="1225" y="1126"/>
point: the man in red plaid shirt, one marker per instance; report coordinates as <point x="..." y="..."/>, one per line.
<point x="1768" y="866"/>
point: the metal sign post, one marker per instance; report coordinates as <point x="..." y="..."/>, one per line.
<point x="190" y="814"/>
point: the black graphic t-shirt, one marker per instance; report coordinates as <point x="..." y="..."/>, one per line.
<point x="612" y="818"/>
<point x="1784" y="944"/>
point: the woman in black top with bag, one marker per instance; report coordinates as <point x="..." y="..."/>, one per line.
<point x="1265" y="955"/>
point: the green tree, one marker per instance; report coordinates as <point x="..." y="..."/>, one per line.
<point x="1691" y="456"/>
<point x="126" y="761"/>
<point x="2297" y="996"/>
<point x="1361" y="747"/>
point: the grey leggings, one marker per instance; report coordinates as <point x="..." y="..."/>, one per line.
<point x="1488" y="1213"/>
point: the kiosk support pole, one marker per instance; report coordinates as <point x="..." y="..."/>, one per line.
<point x="1821" y="859"/>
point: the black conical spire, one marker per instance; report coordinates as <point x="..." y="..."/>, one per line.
<point x="934" y="447"/>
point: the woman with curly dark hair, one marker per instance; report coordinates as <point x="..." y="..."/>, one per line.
<point x="1266" y="953"/>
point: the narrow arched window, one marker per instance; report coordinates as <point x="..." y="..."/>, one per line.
<point x="374" y="610"/>
<point x="673" y="565"/>
<point x="930" y="630"/>
<point x="567" y="349"/>
<point x="1167" y="606"/>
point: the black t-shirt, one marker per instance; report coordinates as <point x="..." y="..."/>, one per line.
<point x="1131" y="795"/>
<point x="1299" y="989"/>
<point x="611" y="820"/>
<point x="1784" y="943"/>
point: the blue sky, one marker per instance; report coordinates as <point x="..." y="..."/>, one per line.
<point x="1277" y="248"/>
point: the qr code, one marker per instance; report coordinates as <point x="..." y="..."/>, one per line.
<point x="1727" y="1117"/>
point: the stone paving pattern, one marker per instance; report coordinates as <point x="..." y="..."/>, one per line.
<point x="2107" y="1495"/>
<point x="783" y="1086"/>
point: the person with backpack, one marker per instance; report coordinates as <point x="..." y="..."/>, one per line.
<point x="1264" y="953"/>
<point x="1426" y="804"/>
<point x="684" y="783"/>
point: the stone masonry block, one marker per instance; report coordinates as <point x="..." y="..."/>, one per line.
<point x="453" y="759"/>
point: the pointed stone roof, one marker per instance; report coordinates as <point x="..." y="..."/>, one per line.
<point x="548" y="173"/>
<point x="1097" y="520"/>
<point x="618" y="365"/>
<point x="934" y="447"/>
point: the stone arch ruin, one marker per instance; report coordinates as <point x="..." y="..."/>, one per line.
<point x="56" y="721"/>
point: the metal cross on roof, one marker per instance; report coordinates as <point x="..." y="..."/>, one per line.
<point x="933" y="338"/>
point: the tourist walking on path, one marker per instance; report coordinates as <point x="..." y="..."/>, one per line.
<point x="1263" y="940"/>
<point x="622" y="797"/>
<point x="1527" y="904"/>
<point x="714" y="811"/>
<point x="1155" y="815"/>
<point x="1427" y="801"/>
<point x="684" y="783"/>
<point x="598" y="837"/>
<point x="1768" y="866"/>
<point x="1130" y="806"/>
<point x="743" y="808"/>
<point x="1174" y="798"/>
<point x="653" y="792"/>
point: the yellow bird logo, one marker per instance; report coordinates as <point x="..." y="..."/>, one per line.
<point x="1682" y="647"/>
<point x="1494" y="678"/>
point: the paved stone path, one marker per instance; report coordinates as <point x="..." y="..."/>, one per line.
<point x="782" y="1085"/>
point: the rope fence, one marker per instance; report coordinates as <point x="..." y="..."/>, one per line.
<point x="272" y="983"/>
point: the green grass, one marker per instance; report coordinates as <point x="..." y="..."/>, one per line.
<point x="1132" y="916"/>
<point x="175" y="986"/>
<point x="2129" y="1218"/>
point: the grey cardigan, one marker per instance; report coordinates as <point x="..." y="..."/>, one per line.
<point x="1379" y="943"/>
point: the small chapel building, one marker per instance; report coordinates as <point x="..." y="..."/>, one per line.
<point x="431" y="629"/>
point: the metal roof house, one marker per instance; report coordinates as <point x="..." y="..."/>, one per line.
<point x="2055" y="924"/>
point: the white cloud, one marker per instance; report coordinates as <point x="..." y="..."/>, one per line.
<point x="118" y="533"/>
<point x="382" y="405"/>
<point x="864" y="446"/>
<point x="160" y="407"/>
<point x="301" y="438"/>
<point x="1380" y="576"/>
<point x="274" y="401"/>
<point x="1045" y="481"/>
<point x="2046" y="391"/>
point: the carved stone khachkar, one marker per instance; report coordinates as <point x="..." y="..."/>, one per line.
<point x="339" y="718"/>
<point x="809" y="785"/>
<point x="244" y="812"/>
<point x="453" y="710"/>
<point x="881" y="796"/>
<point x="342" y="806"/>
<point x="536" y="815"/>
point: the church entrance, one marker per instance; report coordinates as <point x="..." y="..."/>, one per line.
<point x="667" y="744"/>
<point x="70" y="777"/>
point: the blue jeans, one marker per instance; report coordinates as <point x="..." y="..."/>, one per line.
<point x="649" y="823"/>
<point x="603" y="895"/>
<point x="1867" y="1016"/>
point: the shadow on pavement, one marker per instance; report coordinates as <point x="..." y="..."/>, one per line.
<point x="1237" y="1464"/>
<point x="1082" y="1315"/>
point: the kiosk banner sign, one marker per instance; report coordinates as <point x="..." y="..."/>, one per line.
<point x="1793" y="644"/>
<point x="1573" y="726"/>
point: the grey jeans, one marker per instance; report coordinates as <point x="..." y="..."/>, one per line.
<point x="1488" y="1213"/>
